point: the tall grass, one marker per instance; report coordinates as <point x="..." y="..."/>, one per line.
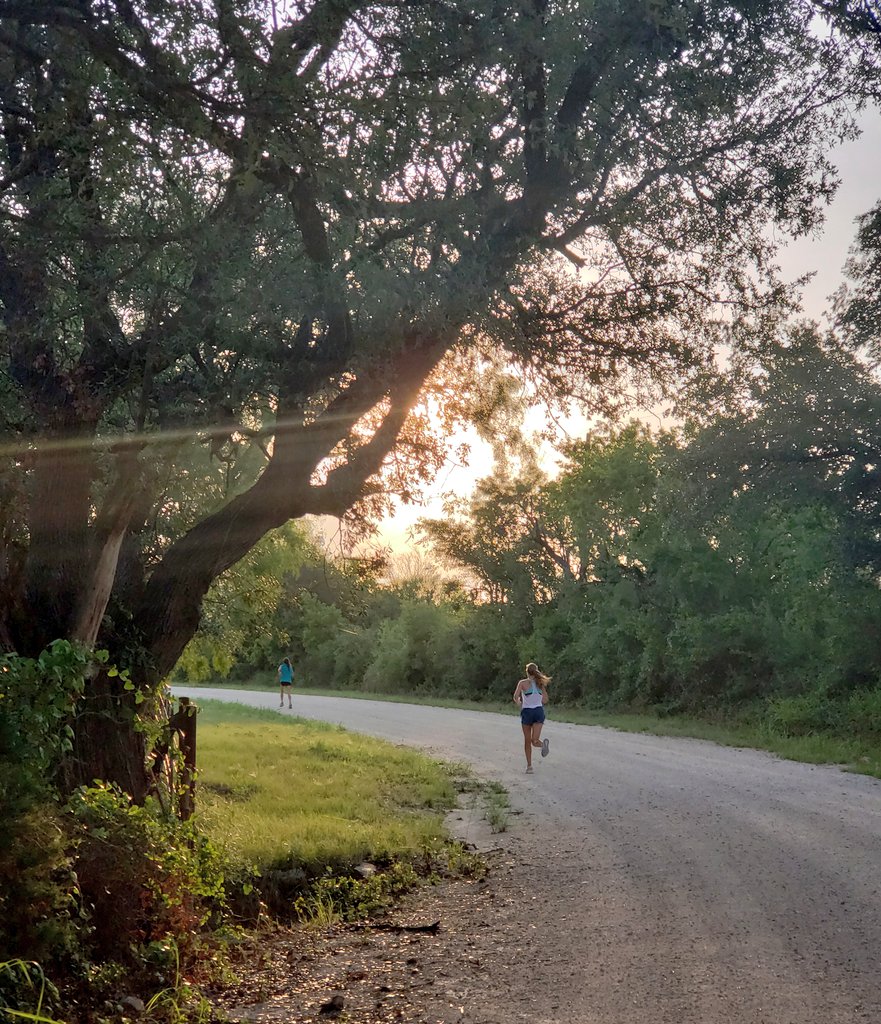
<point x="289" y="792"/>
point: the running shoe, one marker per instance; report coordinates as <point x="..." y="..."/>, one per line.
<point x="545" y="747"/>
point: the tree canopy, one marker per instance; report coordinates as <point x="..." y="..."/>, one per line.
<point x="732" y="559"/>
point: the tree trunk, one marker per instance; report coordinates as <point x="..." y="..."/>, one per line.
<point x="106" y="744"/>
<point x="93" y="602"/>
<point x="58" y="540"/>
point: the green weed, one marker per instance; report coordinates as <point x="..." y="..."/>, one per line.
<point x="24" y="982"/>
<point x="497" y="806"/>
<point x="335" y="897"/>
<point x="459" y="862"/>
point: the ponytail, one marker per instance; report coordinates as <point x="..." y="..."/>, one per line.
<point x="539" y="677"/>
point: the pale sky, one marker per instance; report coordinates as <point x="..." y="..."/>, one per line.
<point x="859" y="165"/>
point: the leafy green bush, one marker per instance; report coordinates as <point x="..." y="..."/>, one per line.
<point x="863" y="713"/>
<point x="413" y="652"/>
<point x="144" y="876"/>
<point x="38" y="919"/>
<point x="322" y="627"/>
<point x="37" y="699"/>
<point x="804" y="715"/>
<point x="39" y="916"/>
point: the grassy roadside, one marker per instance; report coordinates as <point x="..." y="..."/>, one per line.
<point x="298" y="807"/>
<point x="853" y="754"/>
<point x="284" y="791"/>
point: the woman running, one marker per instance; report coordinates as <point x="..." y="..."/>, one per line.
<point x="531" y="695"/>
<point x="285" y="682"/>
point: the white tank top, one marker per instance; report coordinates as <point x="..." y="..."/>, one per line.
<point x="530" y="698"/>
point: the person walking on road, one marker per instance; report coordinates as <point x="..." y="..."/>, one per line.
<point x="531" y="695"/>
<point x="285" y="682"/>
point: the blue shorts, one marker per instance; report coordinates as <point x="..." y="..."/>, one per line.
<point x="532" y="716"/>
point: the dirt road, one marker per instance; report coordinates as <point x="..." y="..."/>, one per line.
<point x="655" y="880"/>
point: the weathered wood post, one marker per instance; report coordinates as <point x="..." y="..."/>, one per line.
<point x="187" y="732"/>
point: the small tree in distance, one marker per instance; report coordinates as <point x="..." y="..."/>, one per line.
<point x="238" y="239"/>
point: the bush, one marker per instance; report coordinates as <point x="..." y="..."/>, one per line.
<point x="805" y="715"/>
<point x="486" y="665"/>
<point x="37" y="884"/>
<point x="144" y="876"/>
<point x="413" y="652"/>
<point x="342" y="897"/>
<point x="96" y="893"/>
<point x="863" y="713"/>
<point x="38" y="892"/>
<point x="37" y="700"/>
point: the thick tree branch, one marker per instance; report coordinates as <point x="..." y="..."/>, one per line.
<point x="172" y="600"/>
<point x="345" y="483"/>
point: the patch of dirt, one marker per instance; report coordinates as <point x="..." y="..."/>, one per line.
<point x="462" y="972"/>
<point x="380" y="975"/>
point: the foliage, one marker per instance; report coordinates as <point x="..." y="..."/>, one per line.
<point x="505" y="537"/>
<point x="240" y="606"/>
<point x="413" y="652"/>
<point x="859" y="306"/>
<point x="856" y="715"/>
<point x="335" y="897"/>
<point x="730" y="564"/>
<point x="38" y="910"/>
<point x="97" y="889"/>
<point x="23" y="984"/>
<point x="38" y="698"/>
<point x="145" y="878"/>
<point x="331" y="648"/>
<point x="497" y="806"/>
<point x="804" y="715"/>
<point x="40" y="914"/>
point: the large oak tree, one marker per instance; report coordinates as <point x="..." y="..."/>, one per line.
<point x="239" y="237"/>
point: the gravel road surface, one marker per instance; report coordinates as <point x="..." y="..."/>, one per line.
<point x="658" y="880"/>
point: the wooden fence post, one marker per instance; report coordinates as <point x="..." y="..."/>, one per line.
<point x="187" y="733"/>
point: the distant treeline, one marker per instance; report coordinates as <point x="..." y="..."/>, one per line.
<point x="728" y="565"/>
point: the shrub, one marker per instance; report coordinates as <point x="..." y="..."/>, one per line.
<point x="38" y="892"/>
<point x="37" y="699"/>
<point x="863" y="713"/>
<point x="144" y="876"/>
<point x="342" y="897"/>
<point x="804" y="715"/>
<point x="37" y="884"/>
<point x="412" y="653"/>
<point x="95" y="893"/>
